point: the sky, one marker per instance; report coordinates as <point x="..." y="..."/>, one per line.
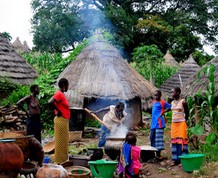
<point x="15" y="18"/>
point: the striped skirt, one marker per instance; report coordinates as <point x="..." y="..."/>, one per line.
<point x="157" y="138"/>
<point x="61" y="136"/>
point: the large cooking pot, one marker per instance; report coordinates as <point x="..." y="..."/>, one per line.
<point x="11" y="158"/>
<point x="112" y="147"/>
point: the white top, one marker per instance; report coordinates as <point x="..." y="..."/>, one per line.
<point x="111" y="119"/>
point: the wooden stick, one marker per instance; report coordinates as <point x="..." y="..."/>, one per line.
<point x="95" y="117"/>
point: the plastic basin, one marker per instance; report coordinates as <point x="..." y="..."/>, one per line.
<point x="191" y="162"/>
<point x="102" y="168"/>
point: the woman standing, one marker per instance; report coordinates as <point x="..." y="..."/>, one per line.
<point x="33" y="112"/>
<point x="61" y="108"/>
<point x="180" y="114"/>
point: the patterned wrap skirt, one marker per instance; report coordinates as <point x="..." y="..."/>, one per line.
<point x="61" y="137"/>
<point x="157" y="138"/>
<point x="179" y="140"/>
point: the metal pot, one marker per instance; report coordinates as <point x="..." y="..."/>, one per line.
<point x="112" y="147"/>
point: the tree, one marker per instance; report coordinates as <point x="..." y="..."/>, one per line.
<point x="170" y="24"/>
<point x="55" y="25"/>
<point x="148" y="61"/>
<point x="147" y="55"/>
<point x="6" y="35"/>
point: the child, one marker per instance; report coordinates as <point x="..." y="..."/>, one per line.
<point x="129" y="158"/>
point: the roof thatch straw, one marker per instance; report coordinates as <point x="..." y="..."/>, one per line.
<point x="196" y="84"/>
<point x="179" y="79"/>
<point x="169" y="59"/>
<point x="26" y="47"/>
<point x="99" y="71"/>
<point x="19" y="47"/>
<point x="12" y="66"/>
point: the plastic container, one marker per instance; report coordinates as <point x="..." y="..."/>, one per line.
<point x="102" y="168"/>
<point x="47" y="159"/>
<point x="191" y="162"/>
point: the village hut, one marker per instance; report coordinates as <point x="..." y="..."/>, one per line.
<point x="19" y="47"/>
<point x="179" y="79"/>
<point x="12" y="66"/>
<point x="26" y="47"/>
<point x="100" y="77"/>
<point x="169" y="60"/>
<point x="196" y="84"/>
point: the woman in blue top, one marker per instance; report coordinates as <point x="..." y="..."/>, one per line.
<point x="159" y="107"/>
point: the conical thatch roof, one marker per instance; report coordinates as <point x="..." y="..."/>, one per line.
<point x="26" y="47"/>
<point x="189" y="68"/>
<point x="19" y="47"/>
<point x="169" y="59"/>
<point x="194" y="84"/>
<point x="13" y="66"/>
<point x="99" y="71"/>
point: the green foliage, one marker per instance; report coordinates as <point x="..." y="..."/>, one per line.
<point x="210" y="148"/>
<point x="171" y="25"/>
<point x="208" y="113"/>
<point x="42" y="62"/>
<point x="6" y="35"/>
<point x="16" y="94"/>
<point x="201" y="58"/>
<point x="147" y="60"/>
<point x="55" y="25"/>
<point x="92" y="123"/>
<point x="204" y="101"/>
<point x="6" y="87"/>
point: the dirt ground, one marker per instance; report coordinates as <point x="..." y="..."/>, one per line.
<point x="153" y="168"/>
<point x="163" y="168"/>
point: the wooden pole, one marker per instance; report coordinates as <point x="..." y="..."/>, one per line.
<point x="98" y="119"/>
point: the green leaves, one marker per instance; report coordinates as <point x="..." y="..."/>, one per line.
<point x="197" y="130"/>
<point x="144" y="58"/>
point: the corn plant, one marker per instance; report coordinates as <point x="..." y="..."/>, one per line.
<point x="204" y="101"/>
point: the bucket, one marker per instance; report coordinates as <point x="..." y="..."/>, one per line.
<point x="102" y="168"/>
<point x="191" y="162"/>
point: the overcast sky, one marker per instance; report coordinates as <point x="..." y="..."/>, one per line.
<point x="15" y="18"/>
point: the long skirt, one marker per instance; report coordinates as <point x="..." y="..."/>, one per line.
<point x="157" y="138"/>
<point x="103" y="135"/>
<point x="179" y="140"/>
<point x="34" y="126"/>
<point x="61" y="137"/>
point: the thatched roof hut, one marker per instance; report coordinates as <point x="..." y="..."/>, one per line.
<point x="12" y="66"/>
<point x="179" y="79"/>
<point x="26" y="47"/>
<point x="196" y="84"/>
<point x="19" y="47"/>
<point x="99" y="71"/>
<point x="169" y="59"/>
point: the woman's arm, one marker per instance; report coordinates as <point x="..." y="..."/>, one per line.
<point x="100" y="110"/>
<point x="185" y="106"/>
<point x="20" y="103"/>
<point x="53" y="106"/>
